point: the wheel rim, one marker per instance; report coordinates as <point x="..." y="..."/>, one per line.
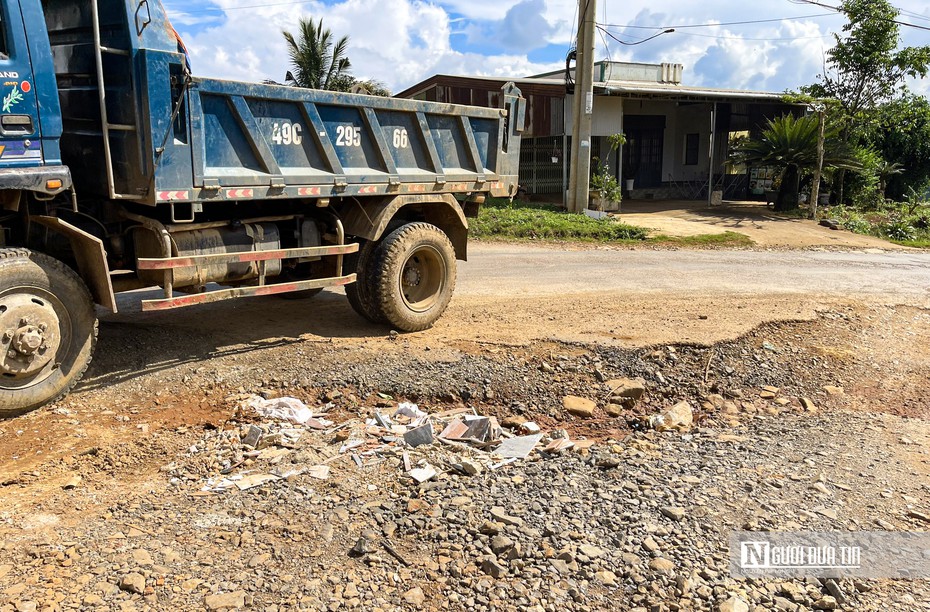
<point x="35" y="330"/>
<point x="422" y="278"/>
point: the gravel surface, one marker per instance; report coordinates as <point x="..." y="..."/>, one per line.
<point x="124" y="496"/>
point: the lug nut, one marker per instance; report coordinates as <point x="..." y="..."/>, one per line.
<point x="12" y="353"/>
<point x="43" y="327"/>
<point x="8" y="336"/>
<point x="24" y="321"/>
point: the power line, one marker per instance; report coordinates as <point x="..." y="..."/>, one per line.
<point x="839" y="10"/>
<point x="631" y="44"/>
<point x="713" y="25"/>
<point x="775" y="39"/>
<point x="914" y="15"/>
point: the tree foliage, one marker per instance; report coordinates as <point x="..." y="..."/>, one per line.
<point x="317" y="61"/>
<point x="901" y="131"/>
<point x="789" y="144"/>
<point x="866" y="67"/>
<point x="865" y="71"/>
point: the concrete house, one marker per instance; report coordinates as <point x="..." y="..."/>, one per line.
<point x="678" y="136"/>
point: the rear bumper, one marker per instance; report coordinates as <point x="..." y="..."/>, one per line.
<point x="36" y="179"/>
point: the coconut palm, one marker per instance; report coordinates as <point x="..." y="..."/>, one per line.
<point x="789" y="144"/>
<point x="317" y="62"/>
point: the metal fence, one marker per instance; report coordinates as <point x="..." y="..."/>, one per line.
<point x="542" y="165"/>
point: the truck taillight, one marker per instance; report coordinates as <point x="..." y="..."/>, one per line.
<point x="53" y="184"/>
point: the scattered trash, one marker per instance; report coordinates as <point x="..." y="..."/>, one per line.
<point x="252" y="438"/>
<point x="411" y="411"/>
<point x="426" y="446"/>
<point x="254" y="480"/>
<point x="519" y="447"/>
<point x="423" y="474"/>
<point x="419" y="436"/>
<point x="472" y="429"/>
<point x="320" y="472"/>
<point x="287" y="409"/>
<point x="506" y="462"/>
<point x="559" y="445"/>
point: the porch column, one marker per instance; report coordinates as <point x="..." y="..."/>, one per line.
<point x="710" y="156"/>
<point x="621" y="149"/>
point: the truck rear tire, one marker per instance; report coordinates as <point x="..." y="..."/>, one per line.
<point x="414" y="276"/>
<point x="361" y="293"/>
<point x="48" y="330"/>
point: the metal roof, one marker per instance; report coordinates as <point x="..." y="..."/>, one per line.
<point x="610" y="88"/>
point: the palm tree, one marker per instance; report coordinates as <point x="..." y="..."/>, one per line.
<point x="317" y="63"/>
<point x="789" y="144"/>
<point x="887" y="170"/>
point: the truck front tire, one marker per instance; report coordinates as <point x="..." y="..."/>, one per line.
<point x="412" y="276"/>
<point x="48" y="329"/>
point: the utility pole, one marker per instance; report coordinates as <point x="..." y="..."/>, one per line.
<point x="818" y="169"/>
<point x="579" y="181"/>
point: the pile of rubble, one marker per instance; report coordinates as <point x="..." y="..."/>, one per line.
<point x="292" y="440"/>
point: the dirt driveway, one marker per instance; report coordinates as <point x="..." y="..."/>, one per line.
<point x="754" y="219"/>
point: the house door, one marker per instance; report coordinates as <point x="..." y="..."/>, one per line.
<point x="645" y="136"/>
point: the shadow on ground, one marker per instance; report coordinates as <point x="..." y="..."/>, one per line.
<point x="133" y="343"/>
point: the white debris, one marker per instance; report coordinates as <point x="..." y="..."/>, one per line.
<point x="422" y="474"/>
<point x="282" y="409"/>
<point x="409" y="410"/>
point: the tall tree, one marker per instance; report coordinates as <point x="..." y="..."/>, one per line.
<point x="317" y="61"/>
<point x="866" y="67"/>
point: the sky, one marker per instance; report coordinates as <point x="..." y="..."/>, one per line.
<point x="402" y="42"/>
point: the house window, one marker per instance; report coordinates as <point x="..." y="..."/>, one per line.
<point x="692" y="149"/>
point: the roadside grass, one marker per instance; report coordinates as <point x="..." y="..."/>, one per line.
<point x="532" y="221"/>
<point x="525" y="221"/>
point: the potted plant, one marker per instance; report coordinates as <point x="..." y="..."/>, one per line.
<point x="605" y="193"/>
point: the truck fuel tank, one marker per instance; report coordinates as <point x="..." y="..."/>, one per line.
<point x="213" y="241"/>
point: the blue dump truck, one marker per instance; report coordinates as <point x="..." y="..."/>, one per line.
<point x="119" y="170"/>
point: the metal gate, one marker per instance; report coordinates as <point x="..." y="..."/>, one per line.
<point x="542" y="165"/>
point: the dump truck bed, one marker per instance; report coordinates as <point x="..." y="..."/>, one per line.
<point x="164" y="135"/>
<point x="248" y="141"/>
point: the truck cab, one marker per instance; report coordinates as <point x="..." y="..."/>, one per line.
<point x="30" y="112"/>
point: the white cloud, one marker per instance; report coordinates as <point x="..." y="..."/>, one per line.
<point x="523" y="28"/>
<point x="400" y="42"/>
<point x="397" y="42"/>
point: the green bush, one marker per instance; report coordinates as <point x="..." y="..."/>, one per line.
<point x="902" y="222"/>
<point x="899" y="230"/>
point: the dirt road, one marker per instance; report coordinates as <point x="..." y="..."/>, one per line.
<point x="516" y="294"/>
<point x="501" y="269"/>
<point x="101" y="496"/>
